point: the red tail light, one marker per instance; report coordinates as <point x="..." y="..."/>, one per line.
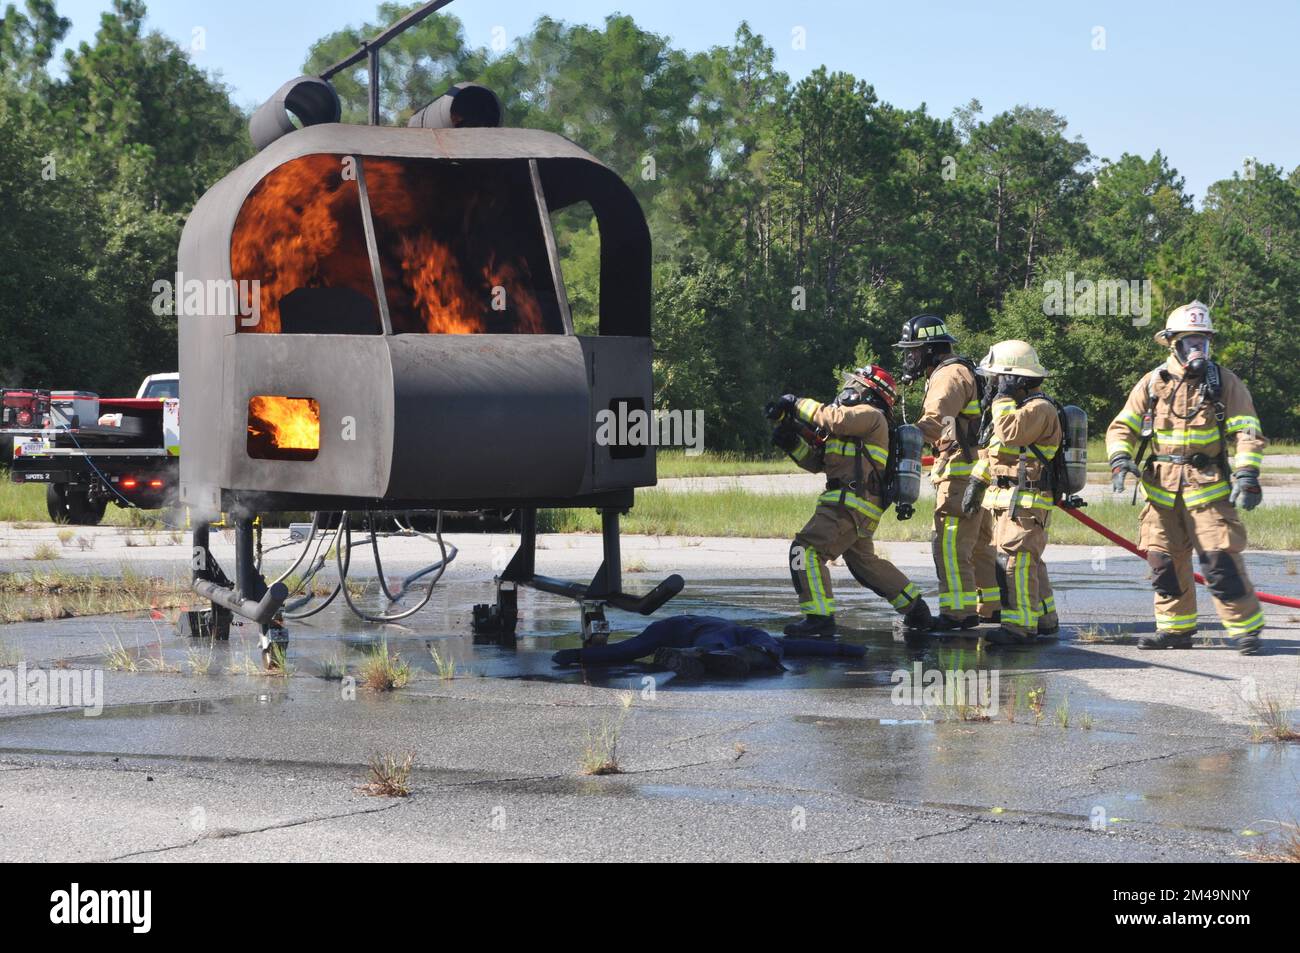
<point x="156" y="484"/>
<point x="129" y="483"/>
<point x="24" y="418"/>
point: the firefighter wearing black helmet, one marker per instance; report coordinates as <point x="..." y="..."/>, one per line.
<point x="962" y="545"/>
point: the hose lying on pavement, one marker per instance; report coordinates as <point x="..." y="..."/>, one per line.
<point x="1123" y="543"/>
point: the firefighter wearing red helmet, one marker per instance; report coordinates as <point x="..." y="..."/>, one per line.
<point x="1173" y="436"/>
<point x="848" y="441"/>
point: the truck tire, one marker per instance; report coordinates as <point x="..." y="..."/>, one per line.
<point x="55" y="503"/>
<point x="83" y="512"/>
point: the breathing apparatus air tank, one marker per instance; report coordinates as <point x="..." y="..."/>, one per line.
<point x="907" y="482"/>
<point x="1076" y="454"/>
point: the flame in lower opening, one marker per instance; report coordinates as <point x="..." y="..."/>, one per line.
<point x="284" y="423"/>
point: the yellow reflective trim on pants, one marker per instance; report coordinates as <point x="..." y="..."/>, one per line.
<point x="955" y="597"/>
<point x="1244" y="459"/>
<point x="1246" y="627"/>
<point x="820" y="605"/>
<point x="1022" y="613"/>
<point x="905" y="598"/>
<point x="1175" y="623"/>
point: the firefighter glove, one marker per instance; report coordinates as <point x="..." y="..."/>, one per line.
<point x="1246" y="492"/>
<point x="974" y="497"/>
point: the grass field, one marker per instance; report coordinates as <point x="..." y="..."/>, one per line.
<point x="25" y="503"/>
<point x="781" y="515"/>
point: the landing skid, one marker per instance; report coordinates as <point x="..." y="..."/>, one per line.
<point x="499" y="621"/>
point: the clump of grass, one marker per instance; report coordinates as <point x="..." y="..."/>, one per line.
<point x="85" y="543"/>
<point x="600" y="754"/>
<point x="1290" y="567"/>
<point x="1087" y="721"/>
<point x="1062" y="714"/>
<point x="1091" y="634"/>
<point x="1275" y="720"/>
<point x="390" y="775"/>
<point x="333" y="669"/>
<point x="444" y="664"/>
<point x="277" y="661"/>
<point x="199" y="660"/>
<point x="118" y="658"/>
<point x="45" y="552"/>
<point x="65" y="537"/>
<point x="244" y="665"/>
<point x="636" y="565"/>
<point x="383" y="671"/>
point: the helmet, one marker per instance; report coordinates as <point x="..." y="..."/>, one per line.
<point x="925" y="329"/>
<point x="1193" y="318"/>
<point x="1012" y="357"/>
<point x="919" y="334"/>
<point x="877" y="380"/>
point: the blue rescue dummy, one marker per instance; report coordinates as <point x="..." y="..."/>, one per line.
<point x="696" y="645"/>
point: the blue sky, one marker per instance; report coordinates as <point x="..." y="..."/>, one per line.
<point x="1209" y="83"/>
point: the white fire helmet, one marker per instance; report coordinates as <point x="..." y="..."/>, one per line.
<point x="1193" y="318"/>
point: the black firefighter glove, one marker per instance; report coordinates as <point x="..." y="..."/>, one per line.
<point x="1246" y="492"/>
<point x="785" y="437"/>
<point x="784" y="405"/>
<point x="1121" y="464"/>
<point x="973" y="498"/>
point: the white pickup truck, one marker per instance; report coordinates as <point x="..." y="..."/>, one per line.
<point x="92" y="451"/>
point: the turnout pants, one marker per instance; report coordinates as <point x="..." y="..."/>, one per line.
<point x="1020" y="543"/>
<point x="836" y="531"/>
<point x="1215" y="532"/>
<point x="964" y="559"/>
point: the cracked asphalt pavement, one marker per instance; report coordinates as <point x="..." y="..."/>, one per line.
<point x="1126" y="756"/>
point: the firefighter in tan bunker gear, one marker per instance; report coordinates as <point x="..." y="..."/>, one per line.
<point x="1012" y="480"/>
<point x="1181" y="416"/>
<point x="848" y="441"/>
<point x="962" y="545"/>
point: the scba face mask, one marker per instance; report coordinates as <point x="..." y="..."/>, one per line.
<point x="1193" y="352"/>
<point x="915" y="360"/>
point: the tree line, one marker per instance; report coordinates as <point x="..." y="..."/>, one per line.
<point x="796" y="223"/>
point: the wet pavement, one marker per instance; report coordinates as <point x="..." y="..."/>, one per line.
<point x="1123" y="756"/>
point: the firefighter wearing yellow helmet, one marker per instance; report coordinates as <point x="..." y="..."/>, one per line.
<point x="1173" y="436"/>
<point x="1013" y="480"/>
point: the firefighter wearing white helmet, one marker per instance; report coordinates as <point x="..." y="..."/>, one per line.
<point x="1173" y="436"/>
<point x="1013" y="480"/>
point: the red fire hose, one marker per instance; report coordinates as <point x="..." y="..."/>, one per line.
<point x="1123" y="543"/>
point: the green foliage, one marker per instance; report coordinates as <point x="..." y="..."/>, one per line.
<point x="795" y="224"/>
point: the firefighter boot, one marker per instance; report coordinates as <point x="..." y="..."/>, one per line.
<point x="918" y="617"/>
<point x="1167" y="640"/>
<point x="1002" y="636"/>
<point x="812" y="627"/>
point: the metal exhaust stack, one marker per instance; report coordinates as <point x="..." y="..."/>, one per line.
<point x="410" y="344"/>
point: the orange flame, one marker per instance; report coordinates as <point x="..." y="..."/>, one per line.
<point x="301" y="227"/>
<point x="284" y="423"/>
<point x="440" y="234"/>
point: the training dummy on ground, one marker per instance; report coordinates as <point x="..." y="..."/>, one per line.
<point x="698" y="645"/>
